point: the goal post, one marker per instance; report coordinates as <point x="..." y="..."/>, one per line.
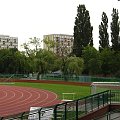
<point x="101" y="86"/>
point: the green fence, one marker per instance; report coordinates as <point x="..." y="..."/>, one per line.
<point x="19" y="76"/>
<point x="71" y="110"/>
<point x="66" y="77"/>
<point x="61" y="77"/>
<point x="79" y="78"/>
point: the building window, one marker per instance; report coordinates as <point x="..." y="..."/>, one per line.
<point x="62" y="43"/>
<point x="68" y="43"/>
<point x="71" y="39"/>
<point x="3" y="42"/>
<point x="10" y="43"/>
<point x="65" y="40"/>
<point x="14" y="40"/>
<point x="7" y="40"/>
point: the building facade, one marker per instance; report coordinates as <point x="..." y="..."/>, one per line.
<point x="7" y="42"/>
<point x="62" y="43"/>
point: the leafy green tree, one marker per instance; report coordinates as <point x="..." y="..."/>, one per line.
<point x="44" y="62"/>
<point x="49" y="43"/>
<point x="116" y="63"/>
<point x="57" y="64"/>
<point x="12" y="61"/>
<point x="9" y="59"/>
<point x="94" y="66"/>
<point x="36" y="42"/>
<point x="75" y="65"/>
<point x="82" y="31"/>
<point x="32" y="46"/>
<point x="91" y="55"/>
<point x="63" y="66"/>
<point x="103" y="34"/>
<point x="115" y="30"/>
<point x="107" y="58"/>
<point x="3" y="56"/>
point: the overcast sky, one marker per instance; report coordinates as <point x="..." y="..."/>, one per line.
<point x="35" y="18"/>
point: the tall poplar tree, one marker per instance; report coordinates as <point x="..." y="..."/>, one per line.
<point x="82" y="31"/>
<point x="115" y="30"/>
<point x="103" y="34"/>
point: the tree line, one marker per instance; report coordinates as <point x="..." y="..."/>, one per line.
<point x="106" y="60"/>
<point x="84" y="58"/>
<point x="83" y="31"/>
<point x="92" y="62"/>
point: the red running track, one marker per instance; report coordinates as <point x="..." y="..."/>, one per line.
<point x="14" y="100"/>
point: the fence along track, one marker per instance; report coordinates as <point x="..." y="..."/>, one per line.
<point x="7" y="80"/>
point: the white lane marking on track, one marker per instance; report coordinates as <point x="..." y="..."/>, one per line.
<point x="52" y="99"/>
<point x="18" y="99"/>
<point x="4" y="102"/>
<point x="18" y="104"/>
<point x="30" y="102"/>
<point x="26" y="100"/>
<point x="46" y="92"/>
<point x="13" y="95"/>
<point x="4" y="95"/>
<point x="45" y="98"/>
<point x="49" y="94"/>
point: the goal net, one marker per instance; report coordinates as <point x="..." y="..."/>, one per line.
<point x="102" y="86"/>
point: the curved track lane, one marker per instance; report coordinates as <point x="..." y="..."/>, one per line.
<point x="14" y="100"/>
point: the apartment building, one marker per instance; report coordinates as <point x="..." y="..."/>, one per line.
<point x="62" y="43"/>
<point x="8" y="42"/>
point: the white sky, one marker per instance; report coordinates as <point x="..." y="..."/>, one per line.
<point x="35" y="18"/>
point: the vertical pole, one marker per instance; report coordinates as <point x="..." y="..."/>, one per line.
<point x="55" y="112"/>
<point x="92" y="103"/>
<point x="110" y="96"/>
<point x="77" y="110"/>
<point x="39" y="113"/>
<point x="103" y="99"/>
<point x="98" y="100"/>
<point x="21" y="117"/>
<point x="65" y="111"/>
<point x="107" y="116"/>
<point x="85" y="106"/>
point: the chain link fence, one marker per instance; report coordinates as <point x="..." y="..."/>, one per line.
<point x="60" y="77"/>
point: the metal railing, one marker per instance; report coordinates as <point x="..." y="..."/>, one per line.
<point x="112" y="115"/>
<point x="115" y="96"/>
<point x="78" y="108"/>
<point x="71" y="110"/>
